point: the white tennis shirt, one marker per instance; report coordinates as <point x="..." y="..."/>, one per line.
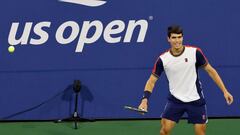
<point x="182" y="72"/>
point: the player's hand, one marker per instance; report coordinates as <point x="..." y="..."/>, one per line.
<point x="228" y="97"/>
<point x="143" y="105"/>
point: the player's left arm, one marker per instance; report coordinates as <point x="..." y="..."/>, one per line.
<point x="217" y="79"/>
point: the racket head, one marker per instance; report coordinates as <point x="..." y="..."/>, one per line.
<point x="131" y="108"/>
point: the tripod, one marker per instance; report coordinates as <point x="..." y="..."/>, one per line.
<point x="75" y="116"/>
<point x="77" y="89"/>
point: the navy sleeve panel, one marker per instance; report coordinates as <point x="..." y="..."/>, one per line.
<point x="158" y="68"/>
<point x="201" y="60"/>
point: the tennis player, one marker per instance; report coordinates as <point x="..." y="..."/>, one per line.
<point x="181" y="64"/>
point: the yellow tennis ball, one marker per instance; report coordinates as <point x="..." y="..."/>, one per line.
<point x="11" y="49"/>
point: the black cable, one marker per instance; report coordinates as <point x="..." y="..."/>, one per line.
<point x="34" y="107"/>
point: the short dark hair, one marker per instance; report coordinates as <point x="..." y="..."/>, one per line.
<point x="176" y="29"/>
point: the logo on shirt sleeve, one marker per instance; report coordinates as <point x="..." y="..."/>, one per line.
<point x="204" y="117"/>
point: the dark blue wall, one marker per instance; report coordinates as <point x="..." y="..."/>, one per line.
<point x="36" y="80"/>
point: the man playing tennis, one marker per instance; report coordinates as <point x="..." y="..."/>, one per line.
<point x="181" y="64"/>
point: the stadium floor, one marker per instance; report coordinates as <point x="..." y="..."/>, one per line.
<point x="123" y="127"/>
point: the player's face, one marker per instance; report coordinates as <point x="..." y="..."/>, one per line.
<point x="176" y="40"/>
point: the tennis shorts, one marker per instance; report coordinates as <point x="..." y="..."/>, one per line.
<point x="197" y="114"/>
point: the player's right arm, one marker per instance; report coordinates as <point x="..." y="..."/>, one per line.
<point x="148" y="89"/>
<point x="151" y="83"/>
<point x="156" y="72"/>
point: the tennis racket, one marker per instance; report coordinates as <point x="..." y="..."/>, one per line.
<point x="135" y="109"/>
